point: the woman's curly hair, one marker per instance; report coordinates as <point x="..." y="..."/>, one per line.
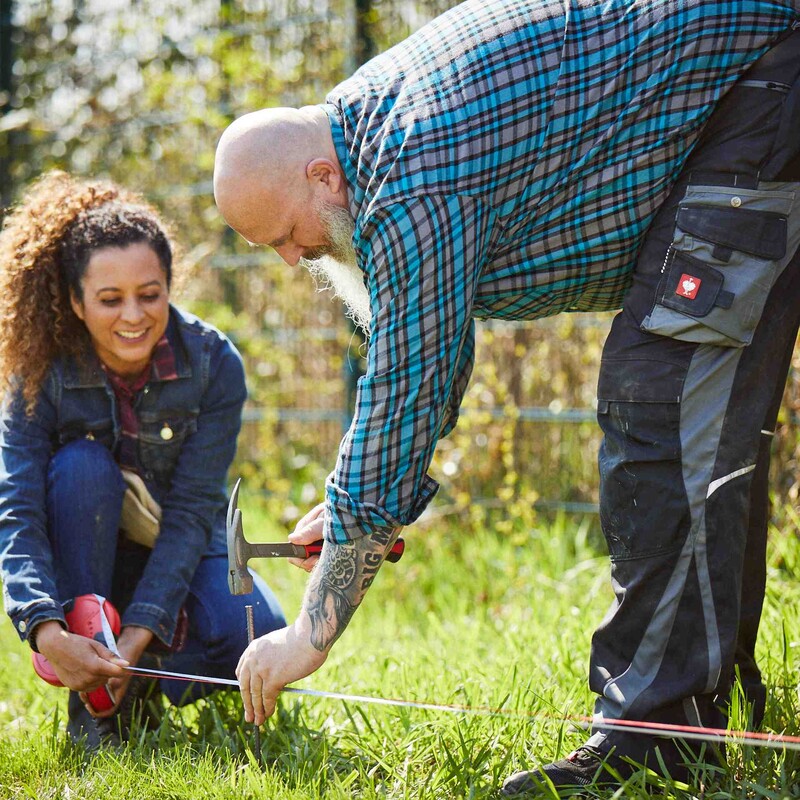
<point x="45" y="245"/>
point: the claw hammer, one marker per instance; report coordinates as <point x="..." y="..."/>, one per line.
<point x="240" y="551"/>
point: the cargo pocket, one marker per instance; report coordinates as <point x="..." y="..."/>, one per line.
<point x="727" y="250"/>
<point x="643" y="506"/>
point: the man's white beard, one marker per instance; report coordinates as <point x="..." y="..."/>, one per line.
<point x="346" y="281"/>
<point x="337" y="269"/>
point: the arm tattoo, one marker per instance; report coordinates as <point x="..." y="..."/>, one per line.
<point x="339" y="582"/>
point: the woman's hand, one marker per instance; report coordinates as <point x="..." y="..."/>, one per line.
<point x="80" y="663"/>
<point x="133" y="641"/>
<point x="307" y="531"/>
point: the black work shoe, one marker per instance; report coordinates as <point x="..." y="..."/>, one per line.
<point x="586" y="766"/>
<point x="92" y="733"/>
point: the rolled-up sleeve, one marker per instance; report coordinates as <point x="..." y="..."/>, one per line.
<point x="423" y="258"/>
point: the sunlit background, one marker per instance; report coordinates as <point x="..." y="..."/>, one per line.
<point x="139" y="91"/>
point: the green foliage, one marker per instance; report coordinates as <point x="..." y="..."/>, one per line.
<point x="141" y="91"/>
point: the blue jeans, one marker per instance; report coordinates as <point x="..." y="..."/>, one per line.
<point x="84" y="500"/>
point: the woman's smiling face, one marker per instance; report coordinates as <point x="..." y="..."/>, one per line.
<point x="125" y="305"/>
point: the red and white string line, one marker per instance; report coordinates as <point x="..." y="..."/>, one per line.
<point x="777" y="741"/>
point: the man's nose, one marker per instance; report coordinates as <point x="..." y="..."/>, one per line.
<point x="290" y="253"/>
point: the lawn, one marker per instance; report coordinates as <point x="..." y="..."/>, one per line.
<point x="472" y="619"/>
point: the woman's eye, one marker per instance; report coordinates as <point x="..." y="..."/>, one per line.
<point x="150" y="298"/>
<point x="110" y="301"/>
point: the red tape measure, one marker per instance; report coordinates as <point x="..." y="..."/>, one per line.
<point x="96" y="618"/>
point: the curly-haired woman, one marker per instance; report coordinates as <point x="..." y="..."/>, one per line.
<point x="119" y="425"/>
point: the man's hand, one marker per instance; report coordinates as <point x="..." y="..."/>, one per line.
<point x="307" y="531"/>
<point x="271" y="662"/>
<point x="81" y="664"/>
<point x="335" y="590"/>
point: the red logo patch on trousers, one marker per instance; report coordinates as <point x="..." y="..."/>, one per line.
<point x="688" y="286"/>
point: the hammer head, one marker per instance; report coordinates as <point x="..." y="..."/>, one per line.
<point x="240" y="581"/>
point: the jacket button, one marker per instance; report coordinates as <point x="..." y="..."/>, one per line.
<point x="90" y="436"/>
<point x="23" y="626"/>
<point x="736" y="201"/>
<point x="166" y="432"/>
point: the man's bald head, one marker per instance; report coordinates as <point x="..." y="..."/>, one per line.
<point x="264" y="156"/>
<point x="278" y="181"/>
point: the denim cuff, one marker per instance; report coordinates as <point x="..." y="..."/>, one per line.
<point x="155" y="619"/>
<point x="34" y="614"/>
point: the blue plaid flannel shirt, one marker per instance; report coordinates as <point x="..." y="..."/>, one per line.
<point x="505" y="161"/>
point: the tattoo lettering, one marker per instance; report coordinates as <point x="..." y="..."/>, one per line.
<point x="340" y="581"/>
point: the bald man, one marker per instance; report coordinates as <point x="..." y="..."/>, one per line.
<point x="514" y="160"/>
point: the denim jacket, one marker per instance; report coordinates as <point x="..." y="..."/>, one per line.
<point x="186" y="474"/>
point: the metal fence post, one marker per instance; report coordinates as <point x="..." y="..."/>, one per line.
<point x="364" y="46"/>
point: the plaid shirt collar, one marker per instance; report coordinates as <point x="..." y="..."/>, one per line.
<point x="160" y="368"/>
<point x="162" y="363"/>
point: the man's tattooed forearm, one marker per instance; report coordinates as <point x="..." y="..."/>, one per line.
<point x="340" y="581"/>
<point x="328" y="600"/>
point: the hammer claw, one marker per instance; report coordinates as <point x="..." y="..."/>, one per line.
<point x="233" y="503"/>
<point x="240" y="581"/>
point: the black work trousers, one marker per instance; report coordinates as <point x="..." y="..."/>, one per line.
<point x="690" y="385"/>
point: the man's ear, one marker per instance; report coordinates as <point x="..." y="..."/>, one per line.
<point x="77" y="306"/>
<point x="325" y="172"/>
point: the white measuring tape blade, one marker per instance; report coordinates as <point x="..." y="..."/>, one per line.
<point x="105" y="626"/>
<point x="754" y="739"/>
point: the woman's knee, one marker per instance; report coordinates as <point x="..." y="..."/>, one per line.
<point x="219" y="618"/>
<point x="85" y="463"/>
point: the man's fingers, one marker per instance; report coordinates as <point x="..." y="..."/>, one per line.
<point x="258" y="708"/>
<point x="109" y="668"/>
<point x="310" y="527"/>
<point x="256" y="703"/>
<point x="243" y="676"/>
<point x="119" y="686"/>
<point x="264" y="703"/>
<point x="310" y="517"/>
<point x="269" y="707"/>
<point x="304" y="563"/>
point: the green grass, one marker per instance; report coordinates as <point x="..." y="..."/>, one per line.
<point x="470" y="619"/>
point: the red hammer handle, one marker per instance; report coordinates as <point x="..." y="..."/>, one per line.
<point x="394" y="555"/>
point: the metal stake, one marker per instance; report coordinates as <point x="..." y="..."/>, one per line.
<point x="251" y="634"/>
